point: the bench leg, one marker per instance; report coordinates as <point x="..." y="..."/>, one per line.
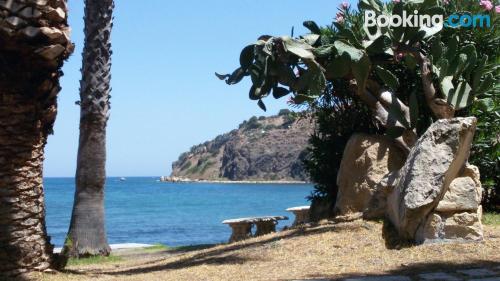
<point x="301" y="218"/>
<point x="265" y="227"/>
<point x="241" y="231"/>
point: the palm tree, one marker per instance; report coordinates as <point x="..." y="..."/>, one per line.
<point x="87" y="234"/>
<point x="34" y="42"/>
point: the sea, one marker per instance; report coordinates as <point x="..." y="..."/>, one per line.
<point x="144" y="210"/>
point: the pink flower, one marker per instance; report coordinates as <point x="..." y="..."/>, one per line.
<point x="344" y="5"/>
<point x="497" y="9"/>
<point x="396" y="1"/>
<point x="486" y="4"/>
<point x="446" y="2"/>
<point x="339" y="18"/>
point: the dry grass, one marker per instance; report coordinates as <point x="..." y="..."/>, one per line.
<point x="329" y="251"/>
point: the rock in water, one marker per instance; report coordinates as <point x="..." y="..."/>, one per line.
<point x="433" y="173"/>
<point x="366" y="161"/>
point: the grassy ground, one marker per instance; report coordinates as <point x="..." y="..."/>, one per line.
<point x="94" y="260"/>
<point x="328" y="251"/>
<point x="491" y="219"/>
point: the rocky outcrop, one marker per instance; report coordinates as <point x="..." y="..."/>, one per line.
<point x="366" y="161"/>
<point x="261" y="149"/>
<point x="436" y="195"/>
<point x="457" y="216"/>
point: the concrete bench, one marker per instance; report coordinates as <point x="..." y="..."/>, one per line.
<point x="242" y="228"/>
<point x="301" y="214"/>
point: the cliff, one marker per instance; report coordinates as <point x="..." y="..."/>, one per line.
<point x="261" y="149"/>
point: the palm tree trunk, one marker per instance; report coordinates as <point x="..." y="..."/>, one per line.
<point x="87" y="234"/>
<point x="33" y="46"/>
<point x="24" y="242"/>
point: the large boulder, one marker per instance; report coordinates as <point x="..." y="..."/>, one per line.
<point x="435" y="172"/>
<point x="457" y="216"/>
<point x="366" y="161"/>
<point x="462" y="195"/>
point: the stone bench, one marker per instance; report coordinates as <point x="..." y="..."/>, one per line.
<point x="301" y="214"/>
<point x="242" y="228"/>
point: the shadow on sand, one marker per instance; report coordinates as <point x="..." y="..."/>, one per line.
<point x="413" y="270"/>
<point x="220" y="255"/>
<point x="224" y="255"/>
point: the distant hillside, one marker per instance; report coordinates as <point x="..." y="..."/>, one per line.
<point x="264" y="148"/>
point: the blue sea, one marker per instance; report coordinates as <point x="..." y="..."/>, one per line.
<point x="143" y="210"/>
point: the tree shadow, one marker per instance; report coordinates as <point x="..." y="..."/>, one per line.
<point x="392" y="238"/>
<point x="222" y="254"/>
<point x="190" y="248"/>
<point x="413" y="270"/>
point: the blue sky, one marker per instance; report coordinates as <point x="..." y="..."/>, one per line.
<point x="165" y="96"/>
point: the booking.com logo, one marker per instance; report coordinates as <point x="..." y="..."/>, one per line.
<point x="426" y="21"/>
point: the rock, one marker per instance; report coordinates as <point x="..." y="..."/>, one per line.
<point x="378" y="203"/>
<point x="451" y="227"/>
<point x="462" y="195"/>
<point x="432" y="229"/>
<point x="433" y="163"/>
<point x="472" y="172"/>
<point x="466" y="226"/>
<point x="261" y="149"/>
<point x="366" y="161"/>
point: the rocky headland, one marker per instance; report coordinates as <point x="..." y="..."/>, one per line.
<point x="262" y="149"/>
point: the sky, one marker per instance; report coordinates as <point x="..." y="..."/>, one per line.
<point x="165" y="96"/>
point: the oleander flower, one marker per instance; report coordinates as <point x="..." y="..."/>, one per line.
<point x="344" y="5"/>
<point x="486" y="4"/>
<point x="340" y="18"/>
<point x="497" y="9"/>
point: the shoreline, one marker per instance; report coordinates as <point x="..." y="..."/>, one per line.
<point x="114" y="247"/>
<point x="185" y="180"/>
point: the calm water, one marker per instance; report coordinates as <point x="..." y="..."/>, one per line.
<point x="142" y="210"/>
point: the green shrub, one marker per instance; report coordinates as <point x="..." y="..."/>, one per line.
<point x="407" y="77"/>
<point x="284" y="112"/>
<point x="337" y="119"/>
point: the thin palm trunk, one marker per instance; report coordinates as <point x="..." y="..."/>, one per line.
<point x="87" y="232"/>
<point x="34" y="41"/>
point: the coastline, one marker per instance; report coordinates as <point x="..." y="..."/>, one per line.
<point x="121" y="246"/>
<point x="186" y="180"/>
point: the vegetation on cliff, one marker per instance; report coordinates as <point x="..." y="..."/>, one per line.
<point x="262" y="148"/>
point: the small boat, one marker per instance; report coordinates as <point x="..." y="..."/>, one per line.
<point x="123" y="179"/>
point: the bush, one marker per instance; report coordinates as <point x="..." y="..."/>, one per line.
<point x="337" y="119"/>
<point x="485" y="151"/>
<point x="284" y="112"/>
<point x="408" y="77"/>
<point x="252" y="124"/>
